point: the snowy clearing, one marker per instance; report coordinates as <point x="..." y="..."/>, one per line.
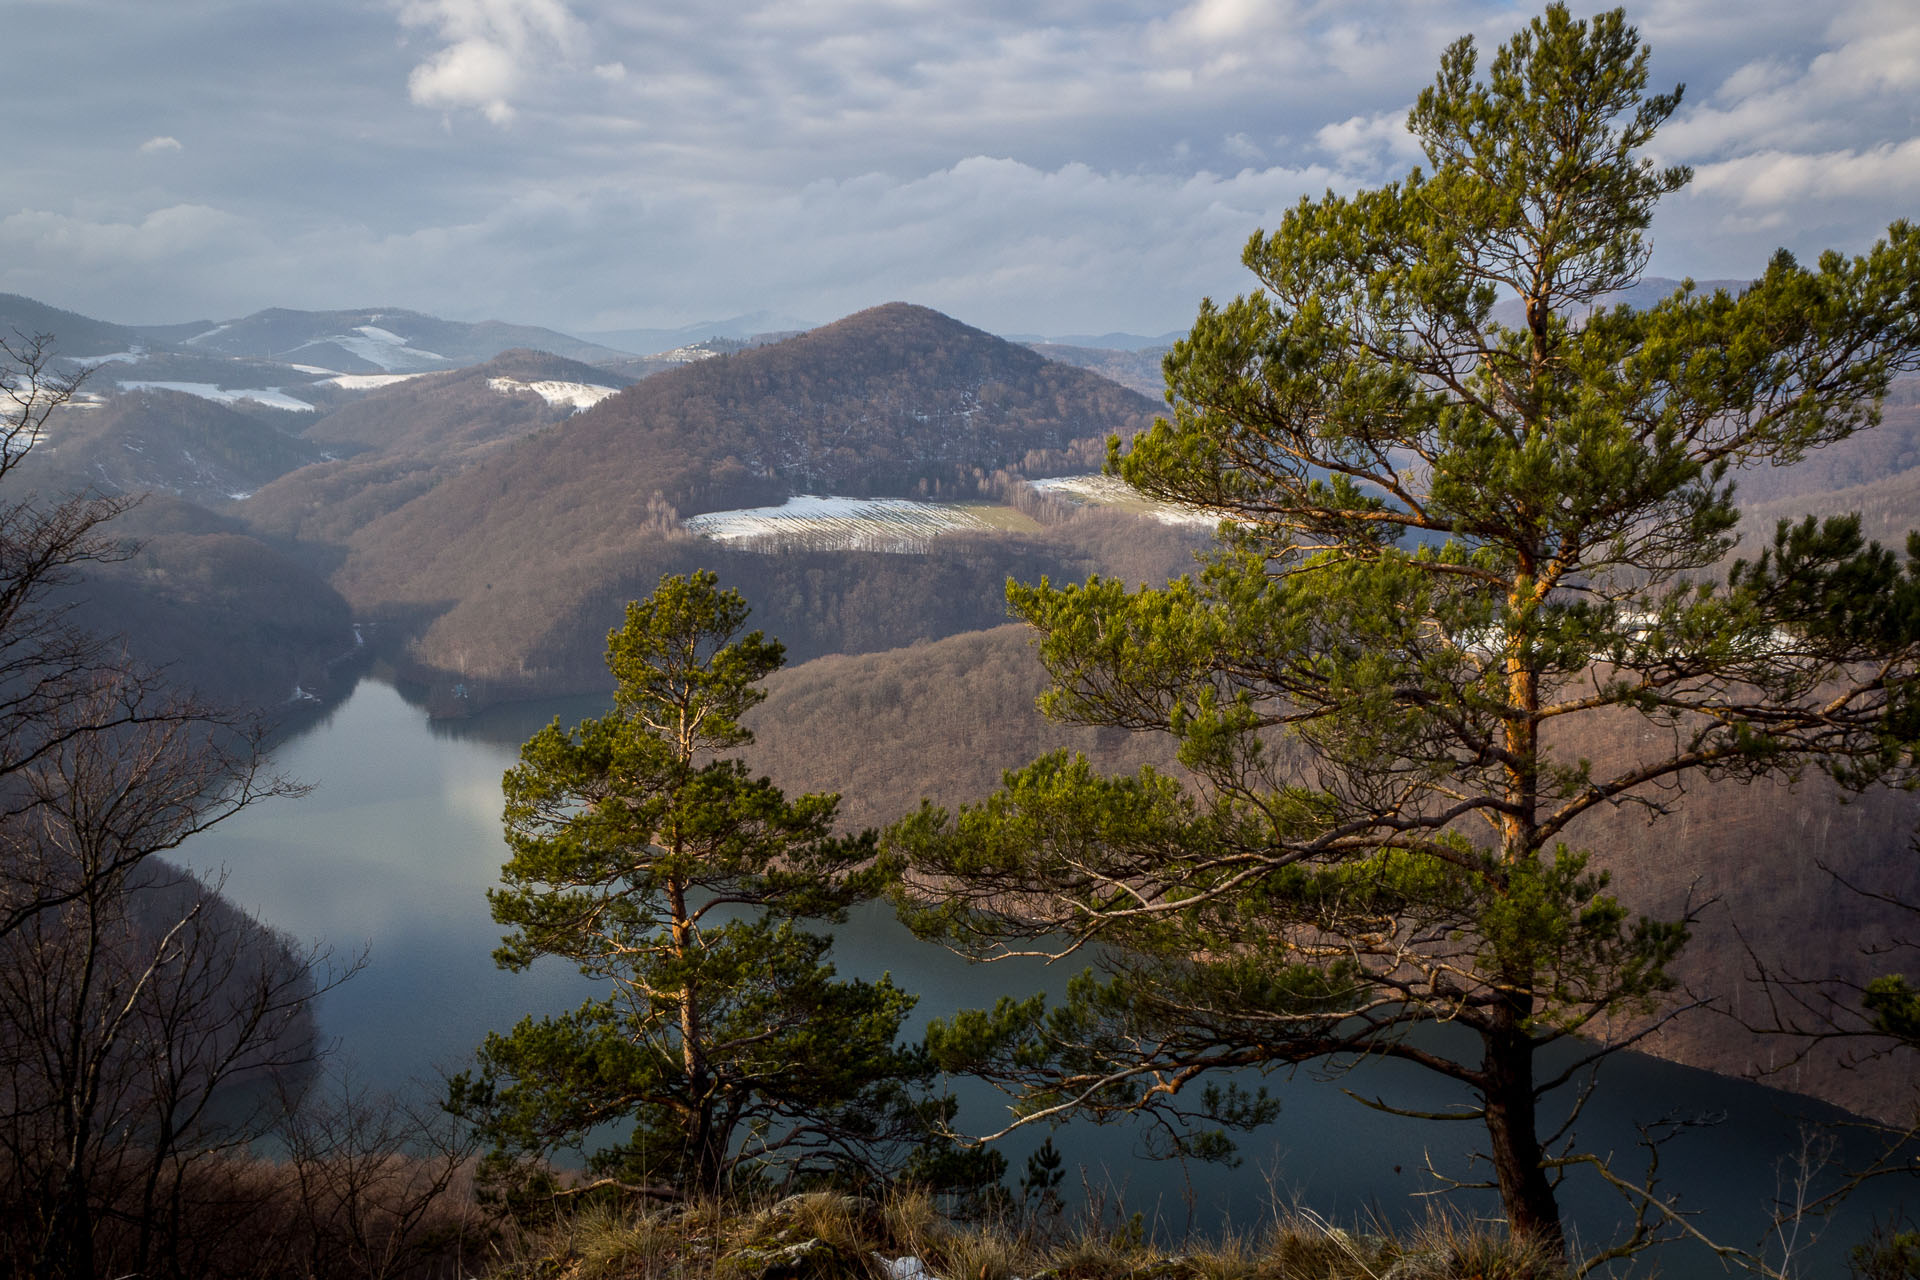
<point x="820" y="523"/>
<point x="686" y="355"/>
<point x="581" y="395"/>
<point x="271" y="397"/>
<point x="1111" y="491"/>
<point x="379" y="346"/>
<point x="367" y="381"/>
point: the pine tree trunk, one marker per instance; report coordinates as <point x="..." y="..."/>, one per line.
<point x="1525" y="1192"/>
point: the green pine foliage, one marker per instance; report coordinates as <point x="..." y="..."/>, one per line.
<point x="654" y="862"/>
<point x="1455" y="547"/>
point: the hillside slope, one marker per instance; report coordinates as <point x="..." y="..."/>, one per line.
<point x="499" y="399"/>
<point x="897" y="400"/>
<point x="941" y="721"/>
<point x="177" y="443"/>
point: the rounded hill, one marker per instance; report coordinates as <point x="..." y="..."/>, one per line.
<point x="895" y="401"/>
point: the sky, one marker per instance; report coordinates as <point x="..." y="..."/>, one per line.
<point x="1028" y="166"/>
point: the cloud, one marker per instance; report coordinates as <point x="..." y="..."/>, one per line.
<point x="48" y="254"/>
<point x="1239" y="144"/>
<point x="492" y="48"/>
<point x="1866" y="79"/>
<point x="472" y="73"/>
<point x="1886" y="175"/>
<point x="153" y="146"/>
<point x="1808" y="145"/>
<point x="1365" y="144"/>
<point x="1034" y="165"/>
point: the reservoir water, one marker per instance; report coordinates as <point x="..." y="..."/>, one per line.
<point x="392" y="854"/>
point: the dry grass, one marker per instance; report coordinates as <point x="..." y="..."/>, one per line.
<point x="826" y="1236"/>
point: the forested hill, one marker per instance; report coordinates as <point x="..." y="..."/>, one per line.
<point x="175" y="443"/>
<point x="479" y="405"/>
<point x="897" y="400"/>
<point x="893" y="400"/>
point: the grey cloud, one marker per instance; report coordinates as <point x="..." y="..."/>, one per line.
<point x="1029" y="164"/>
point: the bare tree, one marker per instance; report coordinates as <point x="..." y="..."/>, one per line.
<point x="49" y="667"/>
<point x="134" y="1003"/>
<point x="383" y="1184"/>
<point x="146" y="1027"/>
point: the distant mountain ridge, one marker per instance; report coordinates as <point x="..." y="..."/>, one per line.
<point x="74" y="335"/>
<point x="1100" y="341"/>
<point x="374" y="340"/>
<point x="753" y="325"/>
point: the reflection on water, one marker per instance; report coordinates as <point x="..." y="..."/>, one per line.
<point x="396" y="847"/>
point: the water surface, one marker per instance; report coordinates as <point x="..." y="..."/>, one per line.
<point x="392" y="854"/>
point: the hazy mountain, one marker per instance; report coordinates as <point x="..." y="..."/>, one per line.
<point x="1137" y="369"/>
<point x="1100" y="341"/>
<point x="74" y="335"/>
<point x="374" y="340"/>
<point x="291" y="361"/>
<point x="739" y="328"/>
<point x="637" y="367"/>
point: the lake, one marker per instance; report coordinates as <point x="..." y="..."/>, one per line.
<point x="395" y="848"/>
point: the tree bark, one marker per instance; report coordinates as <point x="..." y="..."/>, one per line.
<point x="1507" y="1089"/>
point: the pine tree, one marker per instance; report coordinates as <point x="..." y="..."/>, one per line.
<point x="1455" y="549"/>
<point x="652" y="861"/>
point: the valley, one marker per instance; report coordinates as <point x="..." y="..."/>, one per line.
<point x="482" y="511"/>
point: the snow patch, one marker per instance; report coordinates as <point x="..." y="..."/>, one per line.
<point x="823" y="523"/>
<point x="581" y="395"/>
<point x="271" y="397"/>
<point x="687" y="355"/>
<point x="366" y="381"/>
<point x="379" y="346"/>
<point x="1111" y="491"/>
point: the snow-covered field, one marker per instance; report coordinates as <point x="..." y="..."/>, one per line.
<point x="581" y="395"/>
<point x="362" y="381"/>
<point x="378" y="346"/>
<point x="272" y="397"/>
<point x="1111" y="491"/>
<point x="821" y="523"/>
